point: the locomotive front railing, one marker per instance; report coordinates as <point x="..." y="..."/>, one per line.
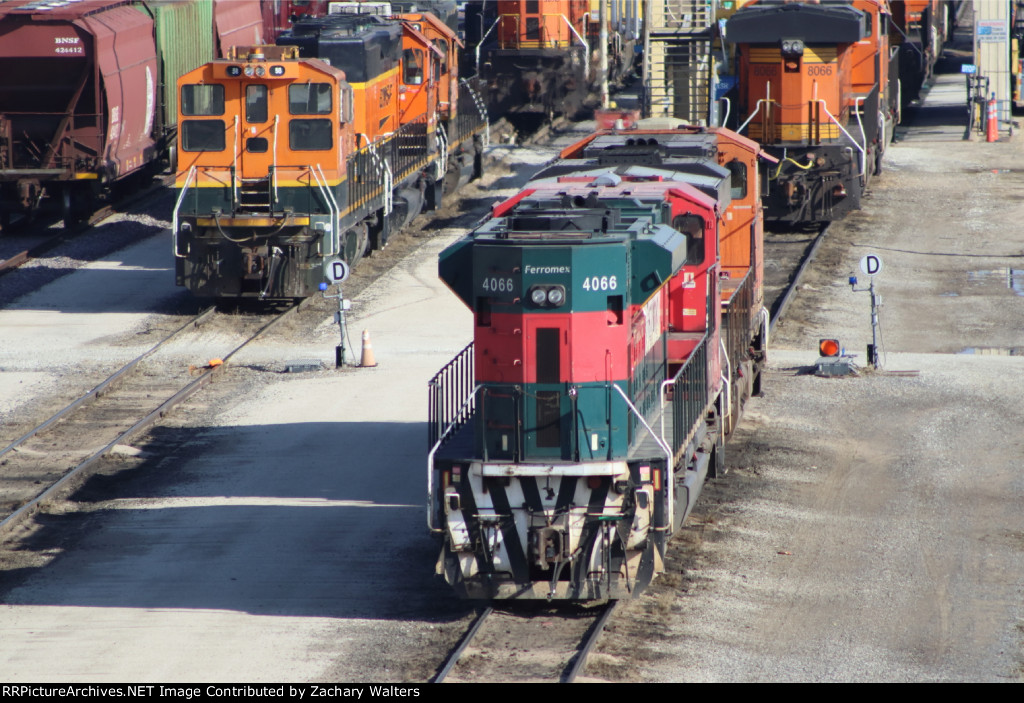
<point x="452" y="402"/>
<point x="177" y="208"/>
<point x="449" y="390"/>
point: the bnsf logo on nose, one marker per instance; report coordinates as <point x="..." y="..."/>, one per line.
<point x="385" y="95"/>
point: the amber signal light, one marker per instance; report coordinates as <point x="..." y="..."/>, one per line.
<point x="829" y="347"/>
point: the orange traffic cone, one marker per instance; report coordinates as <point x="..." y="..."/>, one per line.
<point x="367" y="358"/>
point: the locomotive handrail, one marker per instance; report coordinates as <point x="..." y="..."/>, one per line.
<point x="177" y="207"/>
<point x="586" y="47"/>
<point x="481" y="108"/>
<point x="277" y="120"/>
<point x="727" y="379"/>
<point x="669" y="457"/>
<point x="332" y="205"/>
<point x="481" y="43"/>
<point x="442" y="162"/>
<point x="754" y="113"/>
<point x="863" y="153"/>
<point x="433" y="451"/>
<point x="234" y="167"/>
<point x="728" y="110"/>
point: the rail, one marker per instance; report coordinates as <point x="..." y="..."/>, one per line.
<point x="120" y="414"/>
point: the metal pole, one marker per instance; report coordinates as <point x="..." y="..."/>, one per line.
<point x="873" y="353"/>
<point x="602" y="17"/>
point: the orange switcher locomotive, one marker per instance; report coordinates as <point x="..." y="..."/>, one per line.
<point x="295" y="155"/>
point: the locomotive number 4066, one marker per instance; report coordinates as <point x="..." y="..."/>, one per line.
<point x="498" y="285"/>
<point x="599" y="283"/>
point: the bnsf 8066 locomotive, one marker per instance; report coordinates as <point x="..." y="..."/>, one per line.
<point x="572" y="438"/>
<point x="817" y="88"/>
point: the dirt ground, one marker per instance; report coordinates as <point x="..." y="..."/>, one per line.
<point x="869" y="528"/>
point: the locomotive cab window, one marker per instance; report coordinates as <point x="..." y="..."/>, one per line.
<point x="202" y="100"/>
<point x="441" y="66"/>
<point x="345" y="104"/>
<point x="255" y="103"/>
<point x="310" y="135"/>
<point x="202" y="135"/>
<point x="738" y="179"/>
<point x="309" y="99"/>
<point x="412" y="67"/>
<point x="693" y="227"/>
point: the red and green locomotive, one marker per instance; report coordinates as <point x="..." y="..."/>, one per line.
<point x="572" y="438"/>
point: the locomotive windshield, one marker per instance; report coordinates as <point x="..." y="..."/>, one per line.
<point x="202" y="100"/>
<point x="309" y="99"/>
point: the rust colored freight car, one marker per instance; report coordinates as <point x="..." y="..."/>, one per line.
<point x="87" y="92"/>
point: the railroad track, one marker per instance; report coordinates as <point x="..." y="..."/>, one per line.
<point x="526" y="642"/>
<point x="53" y="238"/>
<point x="787" y="256"/>
<point x="58" y="453"/>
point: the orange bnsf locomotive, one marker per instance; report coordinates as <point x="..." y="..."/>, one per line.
<point x="319" y="148"/>
<point x="538" y="57"/>
<point x="816" y="89"/>
<point x="618" y="328"/>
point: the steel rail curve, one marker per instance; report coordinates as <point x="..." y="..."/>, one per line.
<point x="96" y="217"/>
<point x="456" y="653"/>
<point x="783" y="301"/>
<point x="579" y="662"/>
<point x="30" y="507"/>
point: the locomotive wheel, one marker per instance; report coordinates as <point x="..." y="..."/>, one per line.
<point x="354" y="247"/>
<point x="71" y="209"/>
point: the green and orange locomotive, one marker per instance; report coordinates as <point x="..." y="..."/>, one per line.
<point x="292" y="156"/>
<point x="570" y="441"/>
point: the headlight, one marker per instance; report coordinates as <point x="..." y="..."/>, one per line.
<point x="547" y="296"/>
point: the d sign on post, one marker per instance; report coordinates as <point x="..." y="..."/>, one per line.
<point x="336" y="270"/>
<point x="871" y="265"/>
